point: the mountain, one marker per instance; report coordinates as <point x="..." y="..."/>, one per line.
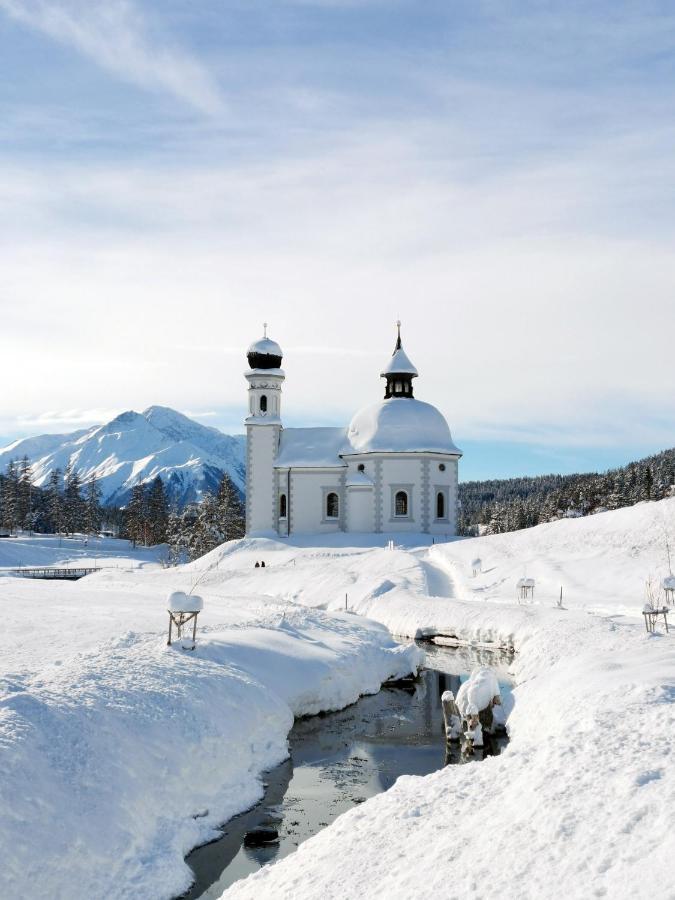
<point x="134" y="448"/>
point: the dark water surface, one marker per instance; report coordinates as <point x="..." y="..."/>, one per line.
<point x="341" y="759"/>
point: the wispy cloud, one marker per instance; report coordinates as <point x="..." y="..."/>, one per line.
<point x="117" y="37"/>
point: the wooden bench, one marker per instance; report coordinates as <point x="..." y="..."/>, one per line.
<point x="651" y="616"/>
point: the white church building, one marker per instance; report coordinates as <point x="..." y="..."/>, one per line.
<point x="393" y="469"/>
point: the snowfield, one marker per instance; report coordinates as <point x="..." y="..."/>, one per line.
<point x="120" y="754"/>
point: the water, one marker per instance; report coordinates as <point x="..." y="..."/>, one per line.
<point x="341" y="759"/>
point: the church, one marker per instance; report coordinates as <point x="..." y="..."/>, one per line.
<point x="393" y="469"/>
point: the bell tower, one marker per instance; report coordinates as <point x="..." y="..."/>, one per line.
<point x="263" y="429"/>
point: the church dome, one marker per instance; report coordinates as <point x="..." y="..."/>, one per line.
<point x="400" y="425"/>
<point x="264" y="354"/>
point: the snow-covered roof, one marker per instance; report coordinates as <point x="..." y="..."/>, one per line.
<point x="668" y="583"/>
<point x="525" y="582"/>
<point x="266" y="347"/>
<point x="400" y="425"/>
<point x="360" y="480"/>
<point x="399" y="364"/>
<point x="311" y="447"/>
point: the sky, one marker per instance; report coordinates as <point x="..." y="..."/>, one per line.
<point x="499" y="175"/>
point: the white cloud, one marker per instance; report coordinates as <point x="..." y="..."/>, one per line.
<point x="116" y="36"/>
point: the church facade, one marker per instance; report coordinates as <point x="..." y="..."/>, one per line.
<point x="393" y="469"/>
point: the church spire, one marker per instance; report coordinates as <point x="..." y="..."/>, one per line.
<point x="399" y="372"/>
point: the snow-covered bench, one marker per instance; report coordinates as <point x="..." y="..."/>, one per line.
<point x="184" y="608"/>
<point x="651" y="615"/>
<point x="668" y="585"/>
<point x="525" y="588"/>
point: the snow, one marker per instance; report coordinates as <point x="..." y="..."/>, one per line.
<point x="311" y="447"/>
<point x="399" y="364"/>
<point x="400" y="424"/>
<point x="79" y="550"/>
<point x="668" y="583"/>
<point x="266" y="347"/>
<point x="478" y="691"/>
<point x="112" y="742"/>
<point x="135" y="447"/>
<point x="580" y="804"/>
<point x="179" y="601"/>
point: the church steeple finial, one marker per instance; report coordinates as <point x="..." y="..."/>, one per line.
<point x="265" y="329"/>
<point x="399" y="372"/>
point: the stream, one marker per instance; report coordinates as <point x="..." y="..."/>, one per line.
<point x="341" y="759"/>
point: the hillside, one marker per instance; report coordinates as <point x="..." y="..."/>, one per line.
<point x="512" y="503"/>
<point x="134" y="448"/>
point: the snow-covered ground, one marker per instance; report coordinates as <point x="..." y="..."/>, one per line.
<point x="113" y="742"/>
<point x="80" y="550"/>
<point x="120" y="754"/>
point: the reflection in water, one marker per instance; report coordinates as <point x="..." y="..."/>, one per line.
<point x="340" y="760"/>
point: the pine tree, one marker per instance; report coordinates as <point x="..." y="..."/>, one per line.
<point x="92" y="510"/>
<point x="74" y="507"/>
<point x="10" y="496"/>
<point x="157" y="512"/>
<point x="55" y="501"/>
<point x="136" y="517"/>
<point x="25" y="495"/>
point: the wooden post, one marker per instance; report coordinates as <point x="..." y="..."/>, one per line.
<point x="452" y="721"/>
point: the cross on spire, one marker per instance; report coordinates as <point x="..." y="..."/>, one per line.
<point x="398" y="340"/>
<point x="265" y="329"/>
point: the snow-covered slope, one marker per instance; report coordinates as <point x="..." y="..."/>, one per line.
<point x="119" y="754"/>
<point x="134" y="448"/>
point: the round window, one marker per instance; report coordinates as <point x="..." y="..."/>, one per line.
<point x="362" y="468"/>
<point x="441" y="466"/>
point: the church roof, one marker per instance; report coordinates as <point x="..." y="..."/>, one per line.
<point x="400" y="425"/>
<point x="399" y="364"/>
<point x="314" y="448"/>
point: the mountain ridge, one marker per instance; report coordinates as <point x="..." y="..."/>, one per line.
<point x="134" y="448"/>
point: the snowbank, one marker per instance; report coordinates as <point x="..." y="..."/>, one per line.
<point x="117" y="760"/>
<point x="580" y="805"/>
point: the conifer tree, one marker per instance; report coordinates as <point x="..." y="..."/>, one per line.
<point x="157" y="512"/>
<point x="92" y="510"/>
<point x="55" y="501"/>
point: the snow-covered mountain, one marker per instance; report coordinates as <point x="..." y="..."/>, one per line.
<point x="134" y="448"/>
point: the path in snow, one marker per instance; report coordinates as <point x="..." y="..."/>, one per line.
<point x="439" y="581"/>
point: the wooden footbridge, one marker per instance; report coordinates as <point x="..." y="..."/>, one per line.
<point x="53" y="573"/>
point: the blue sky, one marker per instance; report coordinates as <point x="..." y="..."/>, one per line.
<point x="499" y="175"/>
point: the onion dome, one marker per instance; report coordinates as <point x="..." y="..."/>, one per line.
<point x="399" y="372"/>
<point x="264" y="353"/>
<point x="400" y="425"/>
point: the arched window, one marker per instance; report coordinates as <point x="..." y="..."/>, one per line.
<point x="332" y="506"/>
<point x="263" y="404"/>
<point x="440" y="505"/>
<point x="282" y="506"/>
<point x="401" y="504"/>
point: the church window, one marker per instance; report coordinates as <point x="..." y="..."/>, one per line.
<point x="362" y="468"/>
<point x="401" y="504"/>
<point x="332" y="506"/>
<point x="441" y="467"/>
<point x="440" y="505"/>
<point x="263" y="404"/>
<point x="398" y="387"/>
<point x="283" y="505"/>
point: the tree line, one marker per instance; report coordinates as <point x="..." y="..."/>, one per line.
<point x="65" y="505"/>
<point x="496" y="506"/>
<point x="68" y="505"/>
